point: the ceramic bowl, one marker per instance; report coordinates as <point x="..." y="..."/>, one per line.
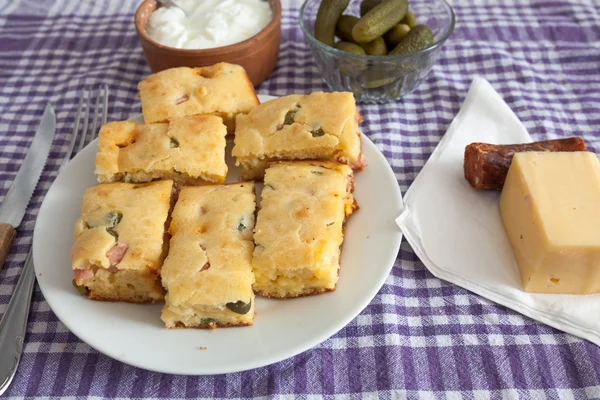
<point x="258" y="55"/>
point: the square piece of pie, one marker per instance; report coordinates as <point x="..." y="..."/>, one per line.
<point x="207" y="273"/>
<point x="300" y="228"/>
<point x="222" y="89"/>
<point x="120" y="241"/>
<point x="318" y="126"/>
<point x="188" y="150"/>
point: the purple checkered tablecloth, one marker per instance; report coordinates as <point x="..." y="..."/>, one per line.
<point x="420" y="337"/>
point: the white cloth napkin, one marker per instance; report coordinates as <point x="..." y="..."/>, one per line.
<point x="457" y="231"/>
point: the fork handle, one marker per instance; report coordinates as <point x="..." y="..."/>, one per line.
<point x="7" y="234"/>
<point x="13" y="325"/>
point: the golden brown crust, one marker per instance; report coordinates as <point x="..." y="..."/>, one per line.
<point x="310" y="293"/>
<point x="362" y="162"/>
<point x="98" y="294"/>
<point x="179" y="325"/>
<point x="94" y="297"/>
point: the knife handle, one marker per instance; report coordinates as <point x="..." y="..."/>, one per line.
<point x="7" y="234"/>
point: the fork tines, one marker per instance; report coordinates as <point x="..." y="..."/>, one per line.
<point x="81" y="137"/>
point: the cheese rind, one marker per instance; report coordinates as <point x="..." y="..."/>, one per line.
<point x="550" y="207"/>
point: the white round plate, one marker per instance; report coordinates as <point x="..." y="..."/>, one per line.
<point x="135" y="334"/>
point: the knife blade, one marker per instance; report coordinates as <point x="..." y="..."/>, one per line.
<point x="15" y="203"/>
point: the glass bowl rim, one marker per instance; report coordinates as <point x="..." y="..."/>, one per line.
<point x="396" y="57"/>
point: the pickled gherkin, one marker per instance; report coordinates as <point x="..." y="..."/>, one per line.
<point x="376" y="47"/>
<point x="368" y="5"/>
<point x="327" y="17"/>
<point x="417" y="39"/>
<point x="379" y="20"/>
<point x="396" y="34"/>
<point x="409" y="19"/>
<point x="343" y="28"/>
<point x="350" y="48"/>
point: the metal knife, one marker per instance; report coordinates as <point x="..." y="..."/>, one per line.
<point x="15" y="203"/>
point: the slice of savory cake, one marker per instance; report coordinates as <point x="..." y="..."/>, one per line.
<point x="300" y="228"/>
<point x="207" y="273"/>
<point x="222" y="89"/>
<point x="120" y="241"/>
<point x="319" y="126"/>
<point x="188" y="150"/>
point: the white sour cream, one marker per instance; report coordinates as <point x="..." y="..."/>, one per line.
<point x="211" y="23"/>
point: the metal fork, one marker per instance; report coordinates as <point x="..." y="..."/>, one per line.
<point x="14" y="322"/>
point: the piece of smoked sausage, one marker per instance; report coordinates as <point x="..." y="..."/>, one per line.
<point x="486" y="165"/>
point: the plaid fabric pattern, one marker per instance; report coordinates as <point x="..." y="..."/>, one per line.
<point x="420" y="337"/>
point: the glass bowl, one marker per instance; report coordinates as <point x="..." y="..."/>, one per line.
<point x="379" y="79"/>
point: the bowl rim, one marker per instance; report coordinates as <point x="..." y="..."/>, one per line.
<point x="437" y="44"/>
<point x="231" y="48"/>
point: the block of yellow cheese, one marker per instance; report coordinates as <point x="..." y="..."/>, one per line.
<point x="550" y="207"/>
